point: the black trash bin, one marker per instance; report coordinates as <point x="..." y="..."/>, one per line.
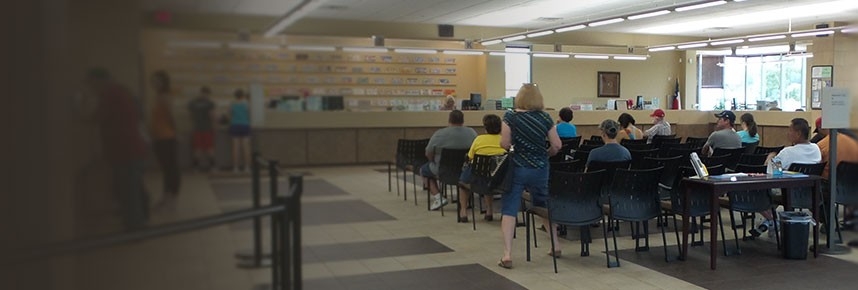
<point x="794" y="234"/>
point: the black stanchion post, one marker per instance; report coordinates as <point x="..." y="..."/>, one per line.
<point x="297" y="184"/>
<point x="257" y="222"/>
<point x="285" y="227"/>
<point x="277" y="235"/>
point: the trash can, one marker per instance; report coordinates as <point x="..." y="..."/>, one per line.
<point x="794" y="234"/>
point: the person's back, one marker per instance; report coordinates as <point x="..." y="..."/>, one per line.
<point x="724" y="138"/>
<point x="799" y="153"/>
<point x="201" y="113"/>
<point x="611" y="152"/>
<point x="847" y="150"/>
<point x="565" y="128"/>
<point x="530" y="130"/>
<point x="120" y="125"/>
<point x="239" y="113"/>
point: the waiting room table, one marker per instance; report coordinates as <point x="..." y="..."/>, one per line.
<point x="718" y="187"/>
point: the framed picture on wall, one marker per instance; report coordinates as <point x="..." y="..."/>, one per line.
<point x="608" y="84"/>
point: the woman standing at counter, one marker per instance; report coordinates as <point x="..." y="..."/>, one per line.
<point x="239" y="129"/>
<point x="163" y="130"/>
<point x="749" y="129"/>
<point x="525" y="130"/>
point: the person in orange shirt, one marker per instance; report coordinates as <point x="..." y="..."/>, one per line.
<point x="847" y="146"/>
<point x="163" y="133"/>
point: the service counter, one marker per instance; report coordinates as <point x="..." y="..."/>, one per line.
<point x="320" y="138"/>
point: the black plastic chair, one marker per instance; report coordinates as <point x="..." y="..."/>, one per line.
<point x="574" y="201"/>
<point x="800" y="198"/>
<point x="659" y="140"/>
<point x="639" y="155"/>
<point x="753" y="159"/>
<point x="481" y="174"/>
<point x="668" y="175"/>
<point x="643" y="146"/>
<point x="751" y="147"/>
<point x="625" y="142"/>
<point x="685" y="153"/>
<point x="449" y="171"/>
<point x="666" y="149"/>
<point x="767" y="150"/>
<point x="747" y="203"/>
<point x="568" y="145"/>
<point x="581" y="155"/>
<point x="696" y="141"/>
<point x="715" y="160"/>
<point x="574" y="165"/>
<point x="410" y="155"/>
<point x="597" y="138"/>
<point x="590" y="144"/>
<point x="734" y="153"/>
<point x="699" y="205"/>
<point x="572" y="142"/>
<point x="634" y="198"/>
<point x="847" y="189"/>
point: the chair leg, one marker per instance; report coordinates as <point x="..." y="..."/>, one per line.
<point x="527" y="221"/>
<point x="473" y="210"/>
<point x="389" y="176"/>
<point x="736" y="233"/>
<point x="676" y="231"/>
<point x="616" y="250"/>
<point x="551" y="234"/>
<point x="723" y="236"/>
<point x="414" y="185"/>
<point x="443" y="195"/>
<point x="663" y="236"/>
<point x="777" y="230"/>
<point x="397" y="181"/>
<point x="607" y="250"/>
<point x="533" y="229"/>
<point x="837" y="224"/>
<point x="586" y="239"/>
<point x="404" y="184"/>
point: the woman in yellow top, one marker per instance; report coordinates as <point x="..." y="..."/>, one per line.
<point x="163" y="130"/>
<point x="628" y="131"/>
<point x="486" y="144"/>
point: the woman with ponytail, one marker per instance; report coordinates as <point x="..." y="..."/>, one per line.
<point x="749" y="129"/>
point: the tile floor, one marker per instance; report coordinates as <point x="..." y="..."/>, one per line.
<point x="205" y="259"/>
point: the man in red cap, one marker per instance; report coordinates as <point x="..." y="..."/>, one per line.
<point x="816" y="135"/>
<point x="659" y="126"/>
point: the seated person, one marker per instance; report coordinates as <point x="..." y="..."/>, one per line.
<point x="611" y="151"/>
<point x="749" y="129"/>
<point x="454" y="136"/>
<point x="660" y="127"/>
<point x="628" y="129"/>
<point x="565" y="129"/>
<point x="802" y="151"/>
<point x="724" y="136"/>
<point x="486" y="144"/>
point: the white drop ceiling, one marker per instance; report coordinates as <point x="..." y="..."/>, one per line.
<point x="733" y="18"/>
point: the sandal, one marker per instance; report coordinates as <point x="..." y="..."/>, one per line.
<point x="505" y="264"/>
<point x="489" y="218"/>
<point x="555" y="254"/>
<point x="463" y="219"/>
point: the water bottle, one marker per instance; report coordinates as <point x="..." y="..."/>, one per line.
<point x="777" y="166"/>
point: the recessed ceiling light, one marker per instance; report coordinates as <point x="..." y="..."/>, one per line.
<point x="541" y="33"/>
<point x="591" y="56"/>
<point x="491" y="42"/>
<point x="663" y="48"/>
<point x="551" y="55"/>
<point x="692" y="45"/>
<point x="723" y="42"/>
<point x="606" y="22"/>
<point x="715" y="52"/>
<point x="763" y="50"/>
<point x="764" y="38"/>
<point x="817" y="33"/>
<point x="514" y="38"/>
<point x="650" y="14"/>
<point x="570" y="28"/>
<point x="699" y="6"/>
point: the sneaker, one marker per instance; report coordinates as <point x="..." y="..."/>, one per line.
<point x="760" y="229"/>
<point x="438" y="203"/>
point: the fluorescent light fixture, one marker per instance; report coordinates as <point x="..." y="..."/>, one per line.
<point x="195" y="44"/>
<point x="499" y="53"/>
<point x="514" y="38"/>
<point x="663" y="48"/>
<point x="591" y="56"/>
<point x="541" y="33"/>
<point x="551" y="55"/>
<point x="606" y="22"/>
<point x="365" y="49"/>
<point x="692" y="45"/>
<point x="801" y="55"/>
<point x="817" y="33"/>
<point x="570" y="28"/>
<point x="491" y="42"/>
<point x="715" y="52"/>
<point x="311" y="48"/>
<point x="262" y="46"/>
<point x="723" y="42"/>
<point x="699" y="6"/>
<point x="417" y="51"/>
<point x="630" y="57"/>
<point x="463" y="52"/>
<point x="648" y="15"/>
<point x="763" y="50"/>
<point x="764" y="38"/>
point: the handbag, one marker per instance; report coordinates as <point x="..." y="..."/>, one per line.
<point x="501" y="176"/>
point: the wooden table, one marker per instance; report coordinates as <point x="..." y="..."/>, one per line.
<point x="719" y="187"/>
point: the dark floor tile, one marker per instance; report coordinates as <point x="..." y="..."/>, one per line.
<point x="373" y="249"/>
<point x="241" y="190"/>
<point x="758" y="267"/>
<point x="422" y="279"/>
<point x="324" y="213"/>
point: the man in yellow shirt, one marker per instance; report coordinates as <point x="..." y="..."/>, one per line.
<point x="486" y="144"/>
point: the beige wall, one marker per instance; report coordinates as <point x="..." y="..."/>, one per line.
<point x="846" y="69"/>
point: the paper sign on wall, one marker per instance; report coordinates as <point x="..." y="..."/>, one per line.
<point x="836" y="108"/>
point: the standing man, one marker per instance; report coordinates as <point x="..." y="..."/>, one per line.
<point x="202" y="115"/>
<point x="660" y="127"/>
<point x="454" y="136"/>
<point x="724" y="136"/>
<point x="122" y="145"/>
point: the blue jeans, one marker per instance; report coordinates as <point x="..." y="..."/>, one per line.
<point x="535" y="180"/>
